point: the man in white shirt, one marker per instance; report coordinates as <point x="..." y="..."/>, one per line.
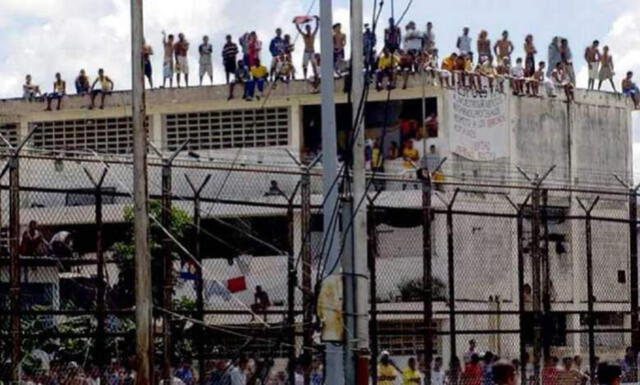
<point x="412" y="40"/>
<point x="470" y="352"/>
<point x="464" y="43"/>
<point x="238" y="374"/>
<point x="517" y="73"/>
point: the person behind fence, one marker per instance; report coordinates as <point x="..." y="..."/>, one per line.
<point x="259" y="76"/>
<point x="549" y="373"/>
<point x="229" y="55"/>
<point x="261" y="302"/>
<point x="503" y="373"/>
<point x="487" y="368"/>
<point x="238" y="373"/>
<point x="387" y="65"/>
<point x="369" y="41"/>
<point x="30" y="91"/>
<point x="411" y="375"/>
<point x="309" y="37"/>
<point x="438" y="375"/>
<point x="472" y="374"/>
<point x="518" y="78"/>
<point x="241" y="76"/>
<point x="167" y="64"/>
<point x="186" y="373"/>
<point x="464" y="42"/>
<point x="392" y="36"/>
<point x="592" y="57"/>
<point x="33" y="242"/>
<point x="503" y="47"/>
<point x="61" y="245"/>
<point x="147" y="52"/>
<point x="83" y="86"/>
<point x="530" y="56"/>
<point x="606" y="69"/>
<point x="181" y="49"/>
<point x="104" y="87"/>
<point x="630" y="89"/>
<point x="471" y="350"/>
<point x="387" y="371"/>
<point x="205" y="63"/>
<point x="609" y="373"/>
<point x="339" y="42"/>
<point x="561" y="79"/>
<point x="59" y="91"/>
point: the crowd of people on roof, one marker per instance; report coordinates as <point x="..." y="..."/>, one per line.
<point x="485" y="66"/>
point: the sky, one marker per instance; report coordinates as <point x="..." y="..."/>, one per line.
<point x="41" y="37"/>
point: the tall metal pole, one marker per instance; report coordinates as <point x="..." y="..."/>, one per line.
<point x="334" y="373"/>
<point x="373" y="324"/>
<point x="452" y="280"/>
<point x="14" y="270"/>
<point x="359" y="228"/>
<point x="143" y="292"/>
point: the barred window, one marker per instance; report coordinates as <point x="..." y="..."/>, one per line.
<point x="106" y="135"/>
<point x="229" y="129"/>
<point x="10" y="133"/>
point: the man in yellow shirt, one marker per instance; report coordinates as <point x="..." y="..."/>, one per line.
<point x="410" y="156"/>
<point x="387" y="65"/>
<point x="259" y="74"/>
<point x="411" y="375"/>
<point x="387" y="372"/>
<point x="448" y="67"/>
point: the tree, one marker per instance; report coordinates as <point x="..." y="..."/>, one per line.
<point x="411" y="290"/>
<point x="123" y="294"/>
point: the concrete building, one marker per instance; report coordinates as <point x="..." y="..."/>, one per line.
<point x="483" y="137"/>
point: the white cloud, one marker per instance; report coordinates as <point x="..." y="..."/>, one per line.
<point x="49" y="37"/>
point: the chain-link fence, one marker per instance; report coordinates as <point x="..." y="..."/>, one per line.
<point x="460" y="273"/>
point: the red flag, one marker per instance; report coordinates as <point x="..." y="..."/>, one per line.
<point x="302" y="19"/>
<point x="237" y="284"/>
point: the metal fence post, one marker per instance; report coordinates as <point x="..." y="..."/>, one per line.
<point x="199" y="279"/>
<point x="546" y="274"/>
<point x="427" y="278"/>
<point x="633" y="264"/>
<point x="100" y="346"/>
<point x="372" y="250"/>
<point x="167" y="255"/>
<point x="521" y="298"/>
<point x="307" y="297"/>
<point x="291" y="293"/>
<point x="14" y="271"/>
<point x="590" y="297"/>
<point x="536" y="267"/>
<point x="451" y="279"/>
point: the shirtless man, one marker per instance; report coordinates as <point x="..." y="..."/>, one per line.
<point x="167" y="66"/>
<point x="503" y="47"/>
<point x="182" y="62"/>
<point x="309" y="38"/>
<point x="59" y="90"/>
<point x="339" y="42"/>
<point x="592" y="57"/>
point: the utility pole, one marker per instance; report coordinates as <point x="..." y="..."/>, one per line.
<point x="144" y="304"/>
<point x="360" y="274"/>
<point x="334" y="368"/>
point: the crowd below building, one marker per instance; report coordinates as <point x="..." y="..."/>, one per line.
<point x="489" y="68"/>
<point x="476" y="368"/>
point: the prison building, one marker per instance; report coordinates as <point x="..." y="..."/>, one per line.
<point x="485" y="138"/>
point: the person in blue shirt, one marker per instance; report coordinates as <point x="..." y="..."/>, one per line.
<point x="369" y="45"/>
<point x="277" y="47"/>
